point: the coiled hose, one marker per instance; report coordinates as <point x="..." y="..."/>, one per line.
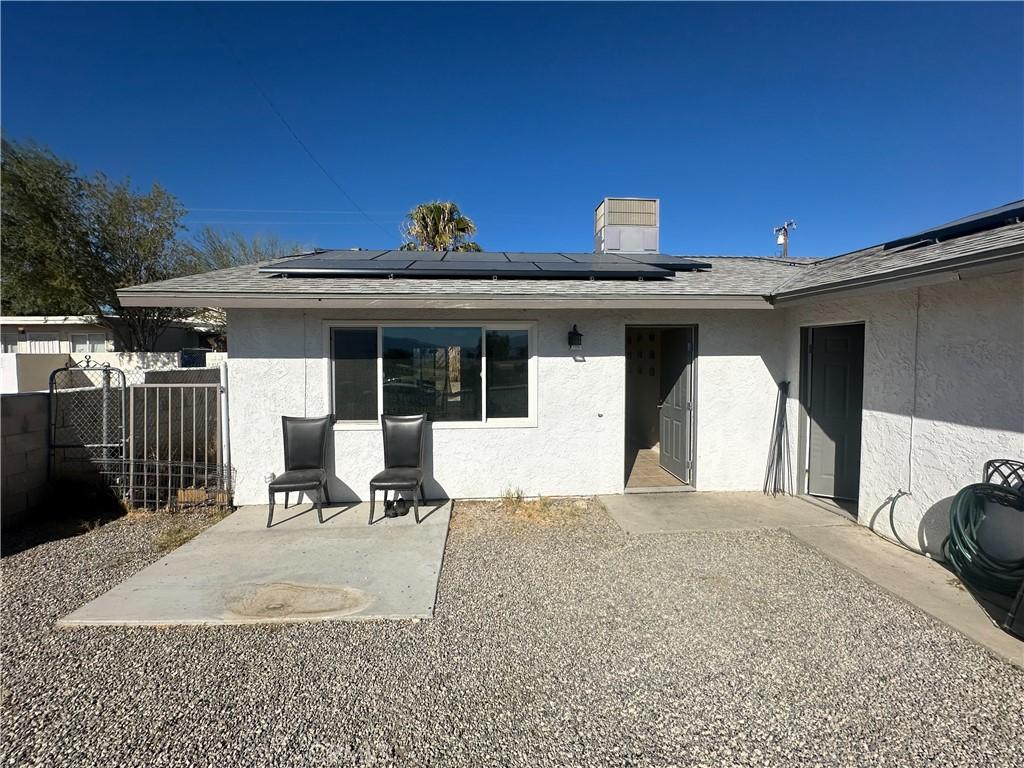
<point x="964" y="552"/>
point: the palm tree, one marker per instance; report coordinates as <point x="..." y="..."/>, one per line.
<point x="438" y="226"/>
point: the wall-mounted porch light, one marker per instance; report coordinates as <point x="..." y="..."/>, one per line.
<point x="575" y="339"/>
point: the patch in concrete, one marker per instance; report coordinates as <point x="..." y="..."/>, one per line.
<point x="283" y="601"/>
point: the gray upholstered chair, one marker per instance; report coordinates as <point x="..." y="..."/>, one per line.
<point x="403" y="460"/>
<point x="305" y="459"/>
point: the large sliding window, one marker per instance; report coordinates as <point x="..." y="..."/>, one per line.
<point x="452" y="373"/>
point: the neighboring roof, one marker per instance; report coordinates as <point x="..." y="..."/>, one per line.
<point x="77" y="320"/>
<point x="977" y="241"/>
<point x="49" y="320"/>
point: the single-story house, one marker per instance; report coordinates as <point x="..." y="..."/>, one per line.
<point x="566" y="374"/>
<point x="84" y="334"/>
<point x="34" y="345"/>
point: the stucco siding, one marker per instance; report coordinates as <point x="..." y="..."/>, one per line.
<point x="740" y="359"/>
<point x="963" y="343"/>
<point x="278" y="366"/>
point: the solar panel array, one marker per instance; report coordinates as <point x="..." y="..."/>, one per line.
<point x="483" y="264"/>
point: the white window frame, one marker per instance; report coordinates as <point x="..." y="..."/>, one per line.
<point x="530" y="326"/>
<point x="42" y="337"/>
<point x="88" y="341"/>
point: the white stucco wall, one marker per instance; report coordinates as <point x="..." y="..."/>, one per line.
<point x="28" y="371"/>
<point x="277" y="367"/>
<point x="969" y="403"/>
<point x="966" y="344"/>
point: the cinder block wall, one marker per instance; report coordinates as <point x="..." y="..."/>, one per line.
<point x="24" y="420"/>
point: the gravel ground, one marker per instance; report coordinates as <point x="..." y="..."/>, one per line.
<point x="557" y="641"/>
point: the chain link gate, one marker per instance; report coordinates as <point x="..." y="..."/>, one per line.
<point x="155" y="437"/>
<point x="88" y="433"/>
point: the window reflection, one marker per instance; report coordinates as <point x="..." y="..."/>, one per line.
<point x="435" y="371"/>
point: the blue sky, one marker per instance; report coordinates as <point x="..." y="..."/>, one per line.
<point x="862" y="122"/>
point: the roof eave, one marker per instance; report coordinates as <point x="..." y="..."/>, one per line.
<point x="251" y="300"/>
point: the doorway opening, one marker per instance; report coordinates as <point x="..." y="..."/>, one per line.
<point x="659" y="408"/>
<point x="832" y="393"/>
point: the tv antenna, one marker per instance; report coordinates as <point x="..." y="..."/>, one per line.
<point x="782" y="235"/>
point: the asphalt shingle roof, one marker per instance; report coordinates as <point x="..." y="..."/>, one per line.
<point x="877" y="261"/>
<point x="728" y="276"/>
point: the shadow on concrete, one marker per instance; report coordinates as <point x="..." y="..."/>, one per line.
<point x="930" y="537"/>
<point x="332" y="511"/>
<point x="298" y="509"/>
<point x="996" y="606"/>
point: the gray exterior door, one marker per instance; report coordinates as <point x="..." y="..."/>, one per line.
<point x="676" y="401"/>
<point x="836" y="389"/>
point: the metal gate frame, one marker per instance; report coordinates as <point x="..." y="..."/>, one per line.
<point x="105" y="446"/>
<point x="135" y="452"/>
<point x="183" y="466"/>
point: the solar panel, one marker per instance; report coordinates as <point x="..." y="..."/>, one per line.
<point x="475" y="256"/>
<point x="538" y="258"/>
<point x="596" y="258"/>
<point x="605" y="270"/>
<point x="333" y="256"/>
<point x="483" y="265"/>
<point x="466" y="267"/>
<point x="338" y="266"/>
<point x="664" y="261"/>
<point x="416" y="255"/>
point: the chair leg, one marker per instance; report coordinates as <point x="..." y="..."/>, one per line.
<point x="373" y="495"/>
<point x="270" y="514"/>
<point x="286" y="499"/>
<point x="320" y="505"/>
<point x="327" y="498"/>
<point x="416" y="504"/>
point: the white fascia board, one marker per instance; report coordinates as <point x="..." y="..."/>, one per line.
<point x="49" y="320"/>
<point x="271" y="301"/>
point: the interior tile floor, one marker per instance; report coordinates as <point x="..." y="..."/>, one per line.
<point x="644" y="471"/>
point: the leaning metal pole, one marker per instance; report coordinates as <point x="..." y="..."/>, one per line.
<point x="222" y="425"/>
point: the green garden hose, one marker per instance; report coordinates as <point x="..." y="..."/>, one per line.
<point x="964" y="552"/>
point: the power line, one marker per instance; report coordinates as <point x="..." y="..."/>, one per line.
<point x="284" y="121"/>
<point x="289" y="210"/>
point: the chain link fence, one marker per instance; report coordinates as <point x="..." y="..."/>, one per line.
<point x="155" y="437"/>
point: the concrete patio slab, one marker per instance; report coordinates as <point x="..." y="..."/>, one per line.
<point x="674" y="512"/>
<point x="918" y="580"/>
<point x="241" y="572"/>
